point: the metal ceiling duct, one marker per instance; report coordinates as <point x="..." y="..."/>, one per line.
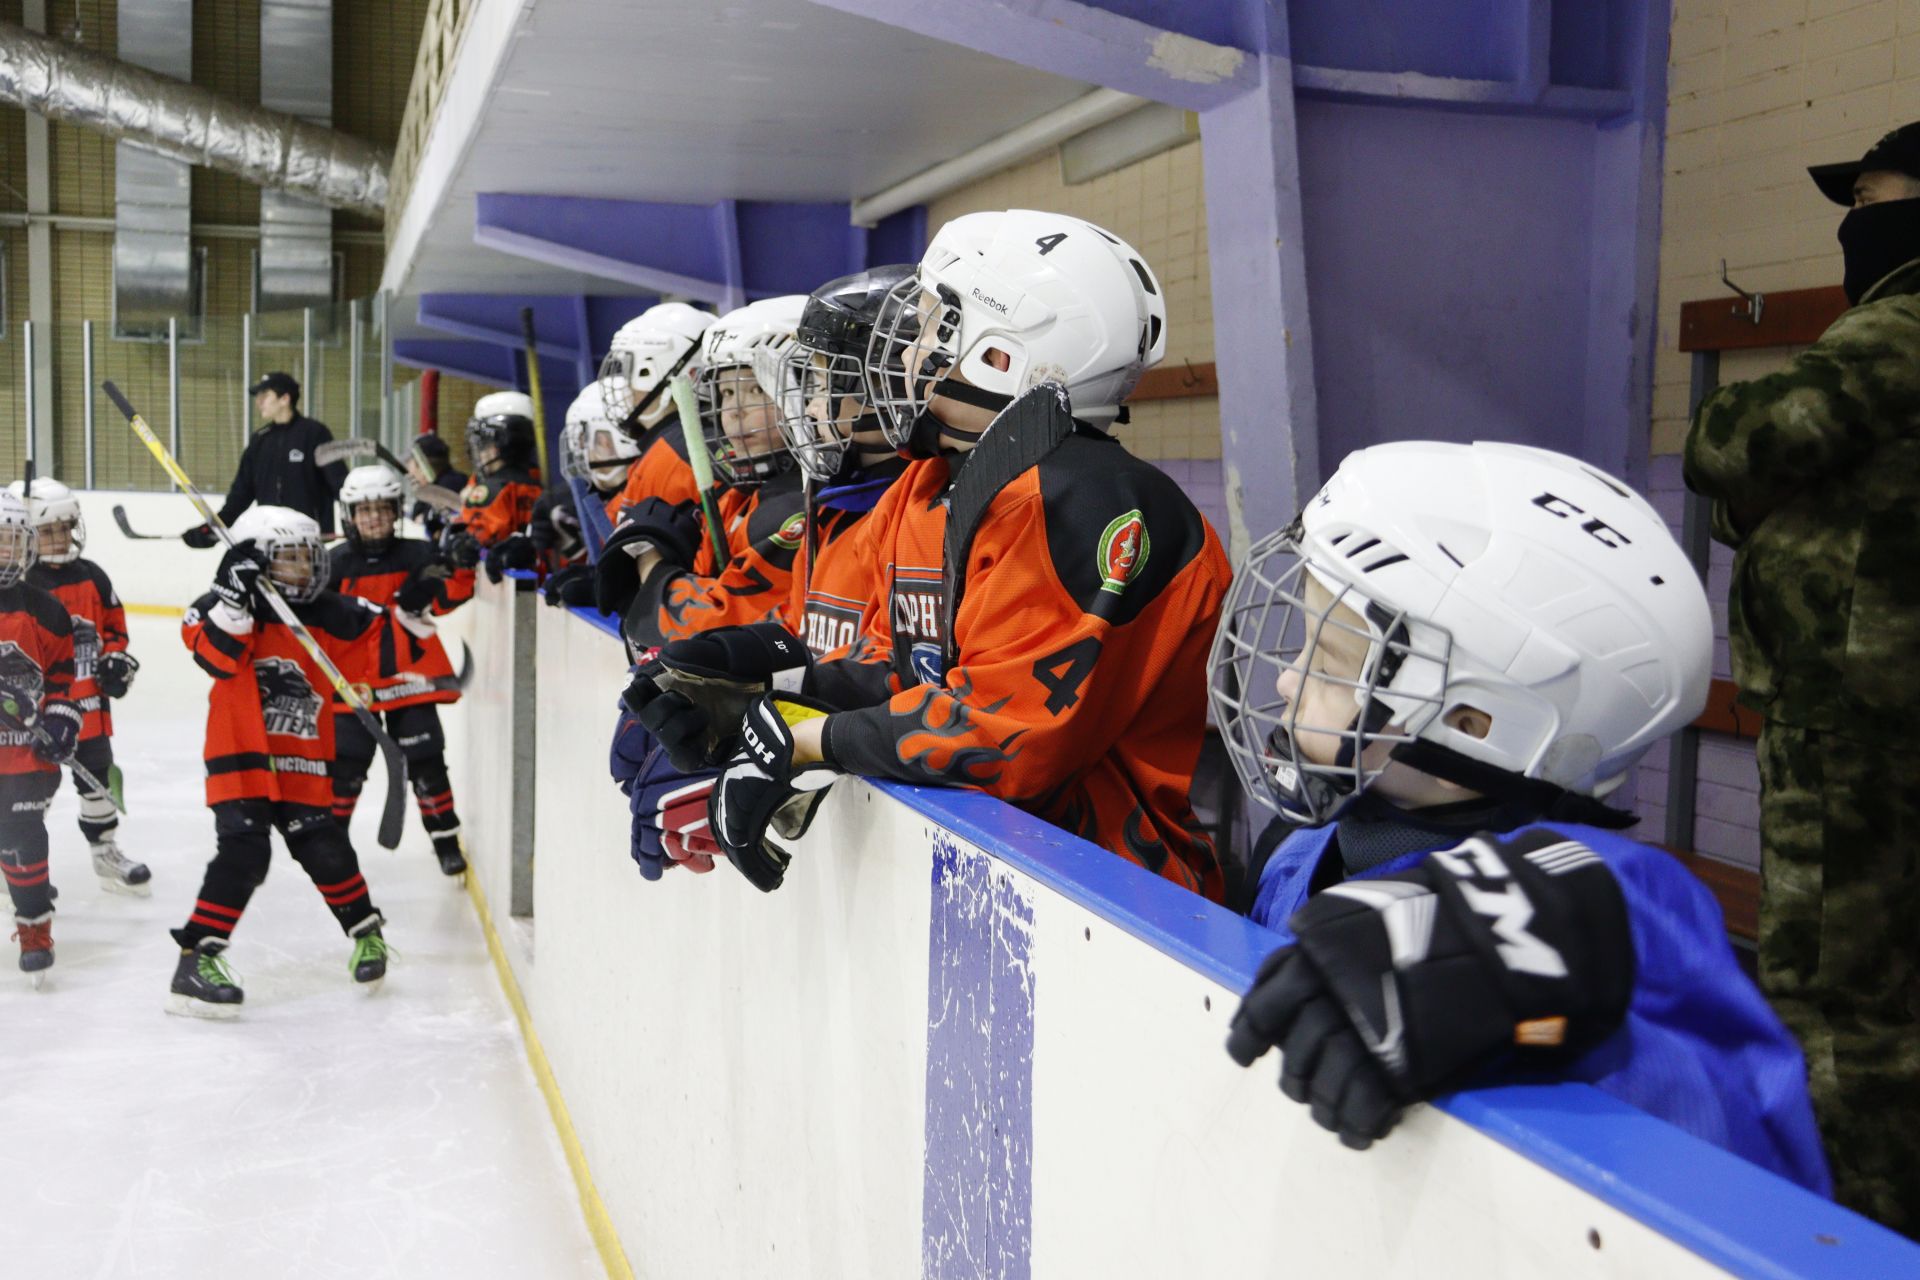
<point x="296" y="76"/>
<point x="153" y="193"/>
<point x="125" y="102"/>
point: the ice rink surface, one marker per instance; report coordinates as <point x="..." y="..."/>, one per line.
<point x="327" y="1132"/>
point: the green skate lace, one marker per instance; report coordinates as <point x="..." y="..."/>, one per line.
<point x="213" y="970"/>
<point x="369" y="946"/>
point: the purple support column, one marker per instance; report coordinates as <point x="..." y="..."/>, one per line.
<point x="1262" y="339"/>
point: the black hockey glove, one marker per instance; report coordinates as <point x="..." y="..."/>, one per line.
<point x="59" y="735"/>
<point x="694" y="693"/>
<point x="553" y="525"/>
<point x="461" y="548"/>
<point x="114" y="672"/>
<point x="1408" y="986"/>
<point x="515" y="551"/>
<point x="651" y="522"/>
<point x="200" y="537"/>
<point x="238" y="578"/>
<point x="419" y="592"/>
<point x="571" y="586"/>
<point x="762" y="791"/>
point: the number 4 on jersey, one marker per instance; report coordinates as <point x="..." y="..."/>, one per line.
<point x="1061" y="674"/>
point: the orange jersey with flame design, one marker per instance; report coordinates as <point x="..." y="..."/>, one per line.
<point x="1073" y="683"/>
<point x="495" y="507"/>
<point x="421" y="669"/>
<point x="99" y="626"/>
<point x="36" y="661"/>
<point x="661" y="471"/>
<point x="765" y="526"/>
<point x="269" y="723"/>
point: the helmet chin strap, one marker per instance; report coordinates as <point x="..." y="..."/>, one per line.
<point x="1536" y="794"/>
<point x="931" y="437"/>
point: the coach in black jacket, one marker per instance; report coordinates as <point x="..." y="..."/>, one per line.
<point x="277" y="468"/>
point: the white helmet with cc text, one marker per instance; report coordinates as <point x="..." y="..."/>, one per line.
<point x="61" y="527"/>
<point x="1510" y="581"/>
<point x="290" y="543"/>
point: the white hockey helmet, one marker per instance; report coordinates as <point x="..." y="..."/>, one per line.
<point x="1515" y="581"/>
<point x="56" y="517"/>
<point x="17" y="539"/>
<point x="740" y="360"/>
<point x="375" y="482"/>
<point x="1059" y="298"/>
<point x="290" y="542"/>
<point x="645" y="352"/>
<point x="591" y="448"/>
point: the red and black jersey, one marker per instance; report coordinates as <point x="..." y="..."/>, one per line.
<point x="497" y="506"/>
<point x="99" y="626"/>
<point x="1059" y="659"/>
<point x="269" y="726"/>
<point x="36" y="661"/>
<point x="765" y="526"/>
<point x="421" y="669"/>
<point x="661" y="471"/>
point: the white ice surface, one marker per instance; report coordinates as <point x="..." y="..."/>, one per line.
<point x="326" y="1133"/>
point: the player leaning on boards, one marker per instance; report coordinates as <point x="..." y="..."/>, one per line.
<point x="499" y="499"/>
<point x="1441" y="668"/>
<point x="39" y="727"/>
<point x="1046" y="642"/>
<point x="645" y="355"/>
<point x="1814" y="475"/>
<point x="376" y="564"/>
<point x="270" y="747"/>
<point x="102" y="669"/>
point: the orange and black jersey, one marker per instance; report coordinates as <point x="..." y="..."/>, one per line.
<point x="421" y="670"/>
<point x="661" y="471"/>
<point x="269" y="729"/>
<point x="833" y="573"/>
<point x="99" y="626"/>
<point x="764" y="526"/>
<point x="1060" y="661"/>
<point x="497" y="506"/>
<point x="36" y="661"/>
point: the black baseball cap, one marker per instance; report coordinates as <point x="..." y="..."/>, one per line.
<point x="1899" y="152"/>
<point x="278" y="383"/>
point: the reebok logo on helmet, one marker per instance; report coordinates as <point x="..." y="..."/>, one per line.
<point x="989" y="300"/>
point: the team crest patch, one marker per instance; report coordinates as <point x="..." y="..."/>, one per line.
<point x="288" y="703"/>
<point x="21" y="673"/>
<point x="1124" y="548"/>
<point x="790" y="534"/>
<point x="477" y="494"/>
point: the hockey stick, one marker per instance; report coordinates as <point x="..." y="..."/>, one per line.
<point x="120" y="518"/>
<point x="533" y="391"/>
<point x="353" y="450"/>
<point x="12" y="717"/>
<point x="393" y="817"/>
<point x="702" y="463"/>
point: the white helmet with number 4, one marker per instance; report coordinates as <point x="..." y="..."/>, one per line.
<point x="56" y="517"/>
<point x="646" y="351"/>
<point x="290" y="543"/>
<point x="1008" y="300"/>
<point x="16" y="538"/>
<point x="1510" y="581"/>
<point x="591" y="448"/>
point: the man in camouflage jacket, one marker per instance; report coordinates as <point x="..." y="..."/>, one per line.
<point x="1814" y="473"/>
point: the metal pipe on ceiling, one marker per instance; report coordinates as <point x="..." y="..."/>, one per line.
<point x="276" y="151"/>
<point x="1023" y="143"/>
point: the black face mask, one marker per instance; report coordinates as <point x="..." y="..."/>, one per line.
<point x="1877" y="239"/>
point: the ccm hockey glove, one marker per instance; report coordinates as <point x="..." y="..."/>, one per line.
<point x="1404" y="987"/>
<point x="762" y="791"/>
<point x="695" y="691"/>
<point x="237" y="578"/>
<point x="115" y="671"/>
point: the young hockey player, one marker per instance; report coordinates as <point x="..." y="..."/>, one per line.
<point x="39" y="728"/>
<point x="103" y="669"/>
<point x="1440" y="668"/>
<point x="642" y="360"/>
<point x="499" y="500"/>
<point x="1050" y="648"/>
<point x="270" y="747"/>
<point x="377" y="565"/>
<point x="659" y="570"/>
<point x="430" y="462"/>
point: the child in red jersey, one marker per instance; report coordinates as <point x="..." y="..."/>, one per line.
<point x="39" y="726"/>
<point x="102" y="669"/>
<point x="270" y="746"/>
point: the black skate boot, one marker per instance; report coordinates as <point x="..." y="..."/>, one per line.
<point x="369" y="953"/>
<point x="118" y="873"/>
<point x="452" y="861"/>
<point x="36" y="945"/>
<point x="203" y="986"/>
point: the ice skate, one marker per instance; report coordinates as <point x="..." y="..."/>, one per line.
<point x="36" y="946"/>
<point x="452" y="861"/>
<point x="203" y="986"/>
<point x="119" y="873"/>
<point x="369" y="953"/>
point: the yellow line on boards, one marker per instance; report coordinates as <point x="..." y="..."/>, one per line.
<point x="155" y="610"/>
<point x="613" y="1255"/>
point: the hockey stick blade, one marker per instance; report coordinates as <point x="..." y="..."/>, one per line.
<point x="362" y="450"/>
<point x="344" y="450"/>
<point x="126" y="529"/>
<point x="394" y="814"/>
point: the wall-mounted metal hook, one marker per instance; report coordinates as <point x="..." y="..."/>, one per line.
<point x="1192" y="379"/>
<point x="1756" y="302"/>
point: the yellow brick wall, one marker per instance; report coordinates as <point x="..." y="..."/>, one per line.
<point x="1758" y="90"/>
<point x="1158" y="207"/>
